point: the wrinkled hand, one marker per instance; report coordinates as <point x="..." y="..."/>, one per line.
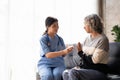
<point x="68" y="49"/>
<point x="79" y="47"/>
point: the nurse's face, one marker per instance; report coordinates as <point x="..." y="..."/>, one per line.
<point x="54" y="28"/>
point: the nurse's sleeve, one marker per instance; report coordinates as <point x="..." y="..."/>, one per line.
<point x="44" y="45"/>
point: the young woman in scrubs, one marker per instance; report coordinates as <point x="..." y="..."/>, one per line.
<point x="51" y="63"/>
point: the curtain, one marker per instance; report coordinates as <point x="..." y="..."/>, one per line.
<point x="22" y="24"/>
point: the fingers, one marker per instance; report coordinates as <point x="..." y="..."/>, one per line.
<point x="79" y="46"/>
<point x="69" y="49"/>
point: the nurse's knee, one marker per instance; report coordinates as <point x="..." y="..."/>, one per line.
<point x="46" y="76"/>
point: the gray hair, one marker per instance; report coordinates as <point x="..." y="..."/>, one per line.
<point x="95" y="22"/>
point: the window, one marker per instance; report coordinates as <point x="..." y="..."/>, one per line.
<point x="22" y="24"/>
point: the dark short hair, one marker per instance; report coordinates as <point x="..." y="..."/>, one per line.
<point x="95" y="22"/>
<point x="49" y="21"/>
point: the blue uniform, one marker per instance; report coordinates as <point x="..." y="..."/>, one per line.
<point x="51" y="68"/>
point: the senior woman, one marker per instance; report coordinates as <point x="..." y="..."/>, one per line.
<point x="93" y="53"/>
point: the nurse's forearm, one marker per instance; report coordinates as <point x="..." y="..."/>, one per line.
<point x="55" y="54"/>
<point x="59" y="53"/>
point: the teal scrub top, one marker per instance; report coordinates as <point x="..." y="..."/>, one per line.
<point x="48" y="44"/>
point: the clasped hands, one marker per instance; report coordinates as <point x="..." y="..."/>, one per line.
<point x="70" y="48"/>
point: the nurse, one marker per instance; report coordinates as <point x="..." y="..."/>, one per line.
<point x="51" y="64"/>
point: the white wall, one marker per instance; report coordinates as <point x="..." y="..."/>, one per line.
<point x="4" y="61"/>
<point x="21" y="39"/>
<point x="70" y="14"/>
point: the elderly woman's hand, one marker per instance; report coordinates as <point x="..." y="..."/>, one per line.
<point x="79" y="47"/>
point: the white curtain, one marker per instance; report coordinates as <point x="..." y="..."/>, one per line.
<point x="22" y="39"/>
<point x="4" y="61"/>
<point x="22" y="24"/>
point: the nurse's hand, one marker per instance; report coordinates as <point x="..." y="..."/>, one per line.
<point x="68" y="50"/>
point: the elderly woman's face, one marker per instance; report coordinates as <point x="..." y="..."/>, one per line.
<point x="87" y="27"/>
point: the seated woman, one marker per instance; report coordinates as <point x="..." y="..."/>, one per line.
<point x="93" y="53"/>
<point x="51" y="63"/>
